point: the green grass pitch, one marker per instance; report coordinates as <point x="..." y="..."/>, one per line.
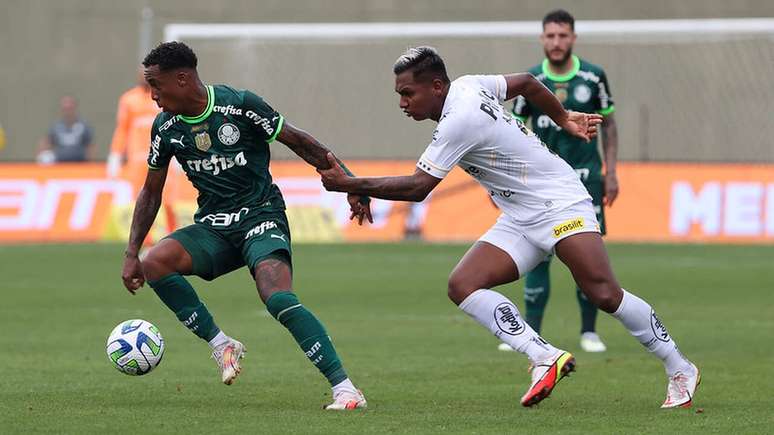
<point x="423" y="365"/>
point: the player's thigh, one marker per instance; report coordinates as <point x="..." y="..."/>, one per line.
<point x="266" y="251"/>
<point x="586" y="257"/>
<point x="212" y="254"/>
<point x="495" y="259"/>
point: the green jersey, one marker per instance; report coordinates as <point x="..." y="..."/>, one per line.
<point x="583" y="89"/>
<point x="224" y="152"/>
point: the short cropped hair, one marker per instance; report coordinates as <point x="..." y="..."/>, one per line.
<point x="559" y="16"/>
<point x="171" y="55"/>
<point x="425" y="62"/>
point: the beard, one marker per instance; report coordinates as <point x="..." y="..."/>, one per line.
<point x="560" y="62"/>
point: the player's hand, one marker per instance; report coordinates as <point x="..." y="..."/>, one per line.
<point x="334" y="179"/>
<point x="360" y="208"/>
<point x="611" y="188"/>
<point x="132" y="274"/>
<point x="582" y="125"/>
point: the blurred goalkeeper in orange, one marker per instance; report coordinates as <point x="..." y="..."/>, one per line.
<point x="129" y="148"/>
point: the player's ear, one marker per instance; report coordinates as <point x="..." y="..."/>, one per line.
<point x="182" y="77"/>
<point x="438" y="85"/>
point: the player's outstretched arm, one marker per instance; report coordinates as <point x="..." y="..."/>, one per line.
<point x="582" y="125"/>
<point x="145" y="210"/>
<point x="315" y="153"/>
<point x="413" y="187"/>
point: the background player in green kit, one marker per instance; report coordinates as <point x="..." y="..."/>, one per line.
<point x="580" y="86"/>
<point x="221" y="138"/>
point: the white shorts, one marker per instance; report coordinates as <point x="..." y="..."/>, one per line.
<point x="529" y="244"/>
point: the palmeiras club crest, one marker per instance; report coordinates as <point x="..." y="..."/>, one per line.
<point x="228" y="134"/>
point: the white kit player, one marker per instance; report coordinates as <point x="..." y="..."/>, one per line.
<point x="545" y="209"/>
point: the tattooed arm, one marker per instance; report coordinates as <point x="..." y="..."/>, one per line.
<point x="145" y="210"/>
<point x="306" y="146"/>
<point x="315" y="153"/>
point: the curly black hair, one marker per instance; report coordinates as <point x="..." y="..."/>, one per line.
<point x="171" y="55"/>
<point x="559" y="16"/>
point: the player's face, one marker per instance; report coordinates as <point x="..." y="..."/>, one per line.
<point x="419" y="99"/>
<point x="167" y="88"/>
<point x="557" y="39"/>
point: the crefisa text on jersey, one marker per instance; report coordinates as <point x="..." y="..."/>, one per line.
<point x="216" y="164"/>
<point x="227" y="110"/>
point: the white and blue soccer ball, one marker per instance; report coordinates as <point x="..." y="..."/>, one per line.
<point x="135" y="347"/>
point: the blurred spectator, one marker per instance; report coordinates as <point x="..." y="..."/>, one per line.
<point x="131" y="138"/>
<point x="70" y="139"/>
<point x="414" y="222"/>
<point x="128" y="156"/>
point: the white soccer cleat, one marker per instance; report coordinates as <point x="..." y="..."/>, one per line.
<point x="227" y="356"/>
<point x="546" y="374"/>
<point x="681" y="389"/>
<point x="590" y="342"/>
<point x="347" y="400"/>
<point x="505" y="347"/>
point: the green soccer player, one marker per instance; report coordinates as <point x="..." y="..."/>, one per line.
<point x="221" y="138"/>
<point x="582" y="87"/>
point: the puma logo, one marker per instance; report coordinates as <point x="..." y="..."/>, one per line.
<point x="281" y="237"/>
<point x="180" y="141"/>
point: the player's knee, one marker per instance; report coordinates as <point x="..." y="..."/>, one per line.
<point x="603" y="291"/>
<point x="610" y="298"/>
<point x="459" y="288"/>
<point x="157" y="264"/>
<point x="271" y="276"/>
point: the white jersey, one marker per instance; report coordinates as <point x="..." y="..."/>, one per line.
<point x="475" y="132"/>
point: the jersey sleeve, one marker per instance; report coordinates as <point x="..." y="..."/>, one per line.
<point x="161" y="150"/>
<point x="521" y="108"/>
<point x="266" y="121"/>
<point x="451" y="141"/>
<point x="603" y="104"/>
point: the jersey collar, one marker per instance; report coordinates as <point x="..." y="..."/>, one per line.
<point x="563" y="78"/>
<point x="207" y="111"/>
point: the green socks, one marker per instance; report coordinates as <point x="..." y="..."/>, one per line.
<point x="309" y="334"/>
<point x="588" y="312"/>
<point x="536" y="290"/>
<point x="180" y="297"/>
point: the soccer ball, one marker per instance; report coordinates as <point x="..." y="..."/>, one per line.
<point x="135" y="347"/>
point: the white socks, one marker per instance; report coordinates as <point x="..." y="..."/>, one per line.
<point x="218" y="340"/>
<point x="345" y="385"/>
<point x="641" y="321"/>
<point x="498" y="314"/>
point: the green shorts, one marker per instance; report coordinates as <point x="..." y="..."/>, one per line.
<point x="229" y="241"/>
<point x="597" y="191"/>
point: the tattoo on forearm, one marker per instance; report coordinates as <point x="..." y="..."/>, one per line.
<point x="145" y="210"/>
<point x="309" y="149"/>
